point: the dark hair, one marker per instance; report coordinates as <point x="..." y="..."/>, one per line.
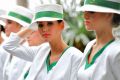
<point x="116" y="20"/>
<point x="2" y="28"/>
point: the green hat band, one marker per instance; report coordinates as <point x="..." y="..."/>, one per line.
<point x="49" y="14"/>
<point x="104" y="3"/>
<point x="21" y="17"/>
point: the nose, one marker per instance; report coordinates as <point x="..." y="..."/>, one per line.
<point x="45" y="28"/>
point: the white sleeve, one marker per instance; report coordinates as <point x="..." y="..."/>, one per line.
<point x="13" y="47"/>
<point x="115" y="63"/>
<point x="76" y="59"/>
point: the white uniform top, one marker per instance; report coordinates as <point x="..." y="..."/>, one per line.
<point x="3" y="56"/>
<point x="65" y="69"/>
<point x="13" y="67"/>
<point x="106" y="66"/>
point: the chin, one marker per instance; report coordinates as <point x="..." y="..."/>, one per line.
<point x="46" y="40"/>
<point x="89" y="29"/>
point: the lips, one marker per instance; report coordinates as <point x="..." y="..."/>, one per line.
<point x="87" y="22"/>
<point x="46" y="35"/>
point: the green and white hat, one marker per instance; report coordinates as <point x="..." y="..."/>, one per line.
<point x="47" y="12"/>
<point x="107" y="6"/>
<point x="20" y="15"/>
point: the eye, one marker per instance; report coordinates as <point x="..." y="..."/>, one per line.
<point x="49" y="23"/>
<point x="91" y="12"/>
<point x="40" y="25"/>
<point x="9" y="21"/>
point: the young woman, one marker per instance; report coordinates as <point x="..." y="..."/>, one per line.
<point x="102" y="55"/>
<point x="35" y="39"/>
<point x="2" y="59"/>
<point x="16" y="19"/>
<point x="55" y="60"/>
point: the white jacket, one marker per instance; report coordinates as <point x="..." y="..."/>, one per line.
<point x="65" y="69"/>
<point x="3" y="56"/>
<point x="13" y="67"/>
<point x="106" y="65"/>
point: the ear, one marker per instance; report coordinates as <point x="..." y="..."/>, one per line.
<point x="109" y="16"/>
<point x="61" y="25"/>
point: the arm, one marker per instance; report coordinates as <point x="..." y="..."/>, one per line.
<point x="13" y="46"/>
<point x="114" y="59"/>
<point x="76" y="59"/>
<point x="115" y="65"/>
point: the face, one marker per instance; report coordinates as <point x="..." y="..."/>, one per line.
<point x="50" y="30"/>
<point x="11" y="26"/>
<point x="95" y="21"/>
<point x="35" y="39"/>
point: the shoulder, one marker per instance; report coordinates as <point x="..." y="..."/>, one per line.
<point x="89" y="45"/>
<point x="75" y="53"/>
<point x="114" y="51"/>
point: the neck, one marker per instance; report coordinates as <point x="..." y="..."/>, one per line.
<point x="104" y="37"/>
<point x="57" y="46"/>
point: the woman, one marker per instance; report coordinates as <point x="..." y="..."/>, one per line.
<point x="55" y="60"/>
<point x="2" y="59"/>
<point x="102" y="55"/>
<point x="16" y="19"/>
<point x="35" y="39"/>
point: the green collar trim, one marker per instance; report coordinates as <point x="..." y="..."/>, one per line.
<point x="104" y="3"/>
<point x="49" y="14"/>
<point x="21" y="17"/>
<point x="96" y="55"/>
<point x="50" y="66"/>
<point x="26" y="74"/>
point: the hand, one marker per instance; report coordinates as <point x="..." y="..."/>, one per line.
<point x="33" y="26"/>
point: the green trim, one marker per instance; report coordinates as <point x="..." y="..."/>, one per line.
<point x="26" y="74"/>
<point x="104" y="3"/>
<point x="21" y="17"/>
<point x="96" y="55"/>
<point x="50" y="66"/>
<point x="49" y="14"/>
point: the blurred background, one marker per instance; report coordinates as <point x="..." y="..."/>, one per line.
<point x="75" y="33"/>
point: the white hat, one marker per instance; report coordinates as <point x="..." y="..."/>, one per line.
<point x="20" y="15"/>
<point x="107" y="6"/>
<point x="2" y="12"/>
<point x="48" y="12"/>
<point x="2" y="23"/>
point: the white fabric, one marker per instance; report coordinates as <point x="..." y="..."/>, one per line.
<point x="13" y="46"/>
<point x="26" y="68"/>
<point x="3" y="56"/>
<point x="106" y="66"/>
<point x="65" y="69"/>
<point x="13" y="67"/>
<point x="23" y="23"/>
<point x="21" y="11"/>
<point x="2" y="23"/>
<point x="49" y="7"/>
<point x="116" y="32"/>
